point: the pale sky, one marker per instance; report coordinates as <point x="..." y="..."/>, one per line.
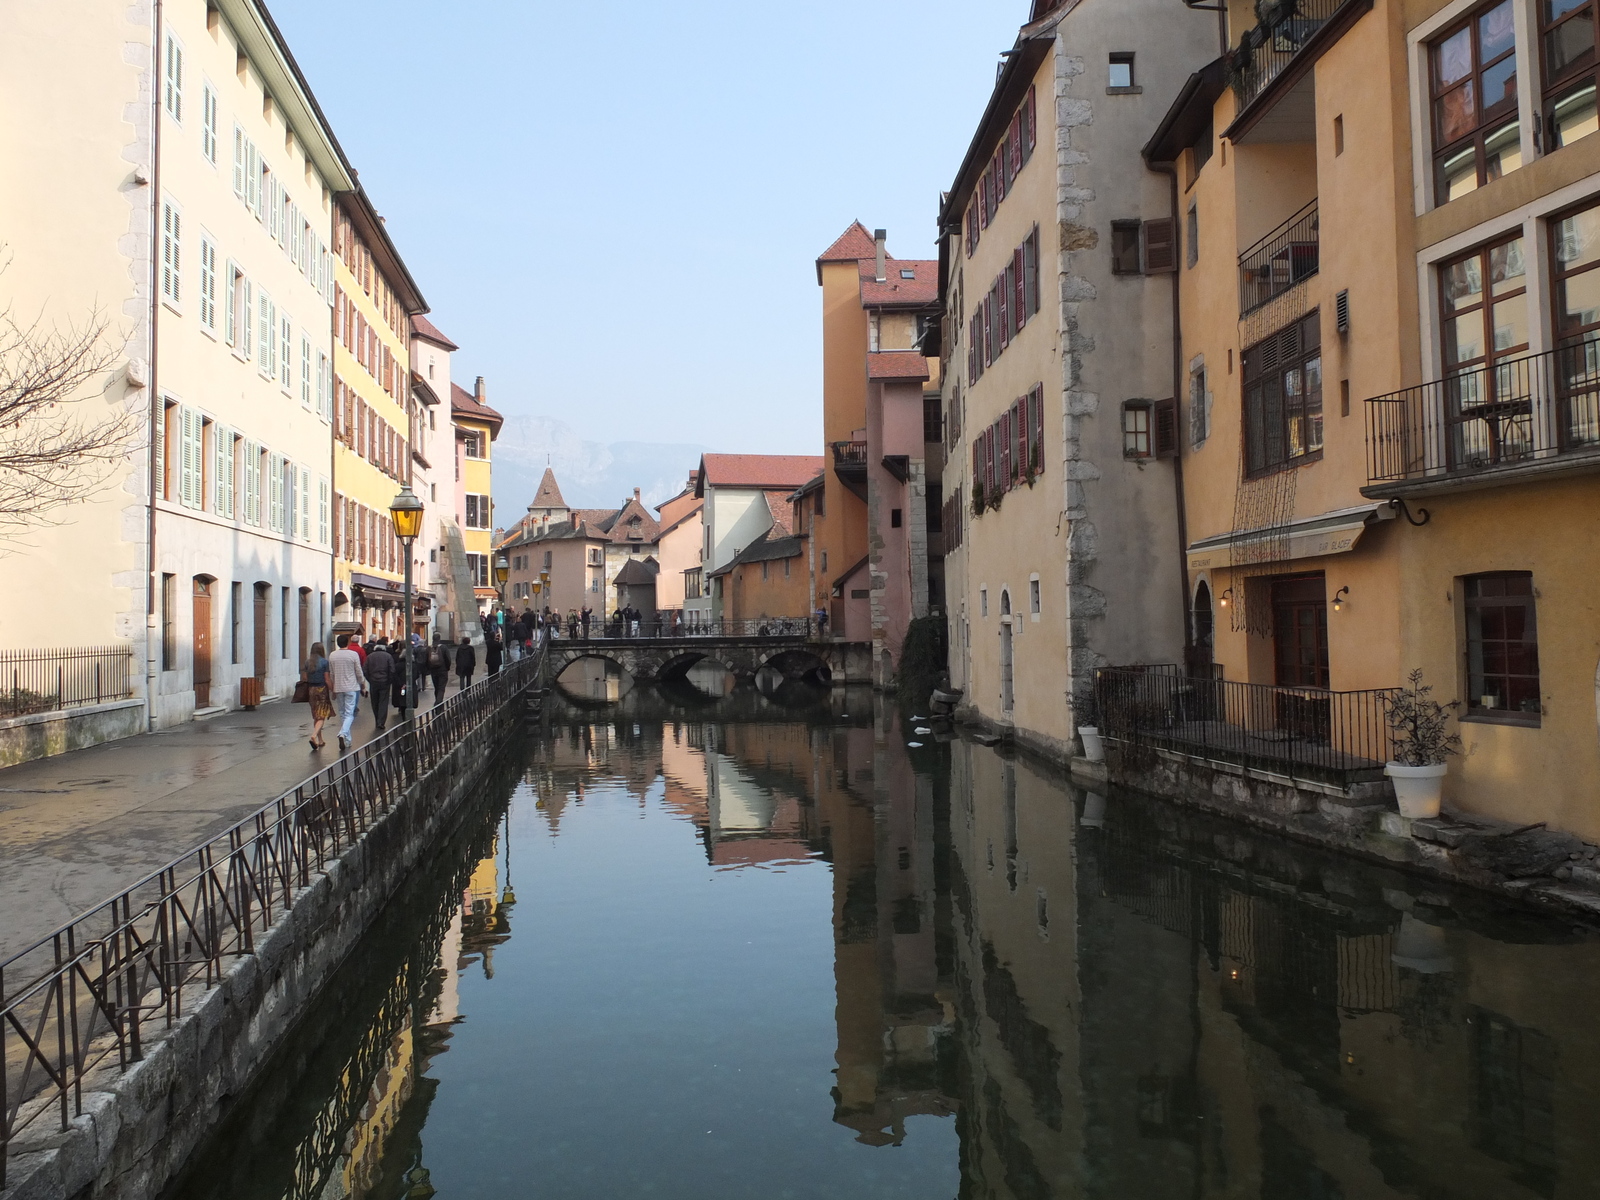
<point x="614" y="208"/>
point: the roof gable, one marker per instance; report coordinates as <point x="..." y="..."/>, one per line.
<point x="549" y="494"/>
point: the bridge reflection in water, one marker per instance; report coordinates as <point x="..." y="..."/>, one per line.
<point x="1095" y="996"/>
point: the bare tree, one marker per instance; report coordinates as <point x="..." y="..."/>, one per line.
<point x="52" y="452"/>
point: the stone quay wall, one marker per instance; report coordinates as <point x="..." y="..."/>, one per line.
<point x="139" y="1126"/>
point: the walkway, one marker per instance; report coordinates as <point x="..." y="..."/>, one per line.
<point x="76" y="828"/>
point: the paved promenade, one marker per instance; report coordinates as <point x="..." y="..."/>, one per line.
<point x="76" y="828"/>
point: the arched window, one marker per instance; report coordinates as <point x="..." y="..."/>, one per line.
<point x="1204" y="622"/>
<point x="1005" y="602"/>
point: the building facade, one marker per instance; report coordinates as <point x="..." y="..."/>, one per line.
<point x="743" y="496"/>
<point x="1061" y="528"/>
<point x="374" y="301"/>
<point x="476" y="427"/>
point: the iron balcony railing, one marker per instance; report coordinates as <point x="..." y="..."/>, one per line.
<point x="89" y="995"/>
<point x="39" y="681"/>
<point x="1266" y="50"/>
<point x="684" y="627"/>
<point x="849" y="456"/>
<point x="1517" y="411"/>
<point x="1303" y="732"/>
<point x="1287" y="255"/>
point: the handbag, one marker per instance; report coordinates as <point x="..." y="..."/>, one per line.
<point x="302" y="692"/>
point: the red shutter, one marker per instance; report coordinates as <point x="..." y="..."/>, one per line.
<point x="1019" y="290"/>
<point x="1003" y="286"/>
<point x="1036" y="456"/>
<point x="1160" y="248"/>
<point x="1032" y="123"/>
<point x="988" y="464"/>
<point x="986" y="331"/>
<point x="1014" y="142"/>
<point x="977" y="459"/>
<point x="1164" y="436"/>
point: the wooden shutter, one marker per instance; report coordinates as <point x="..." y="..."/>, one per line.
<point x="1019" y="291"/>
<point x="1164" y="434"/>
<point x="1014" y="143"/>
<point x="1032" y="124"/>
<point x="1019" y="435"/>
<point x="1036" y="456"/>
<point x="1160" y="246"/>
<point x="1030" y="273"/>
<point x="1003" y="288"/>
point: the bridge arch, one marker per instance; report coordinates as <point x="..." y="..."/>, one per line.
<point x="798" y="662"/>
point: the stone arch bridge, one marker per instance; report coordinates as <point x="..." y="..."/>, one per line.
<point x="796" y="656"/>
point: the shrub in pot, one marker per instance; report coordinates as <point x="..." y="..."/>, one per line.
<point x="1087" y="712"/>
<point x="1422" y="742"/>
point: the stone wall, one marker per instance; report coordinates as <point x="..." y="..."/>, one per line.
<point x="39" y="735"/>
<point x="138" y="1127"/>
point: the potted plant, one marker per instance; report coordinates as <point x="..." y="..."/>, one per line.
<point x="1087" y="712"/>
<point x="1422" y="743"/>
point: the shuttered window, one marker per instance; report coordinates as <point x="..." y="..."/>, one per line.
<point x="286" y="354"/>
<point x="267" y="336"/>
<point x="208" y="283"/>
<point x="275" y="493"/>
<point x="172" y="91"/>
<point x="322" y="511"/>
<point x="222" y="472"/>
<point x="208" y="123"/>
<point x="305" y="371"/>
<point x="171" y="253"/>
<point x="191" y="458"/>
<point x="1160" y="249"/>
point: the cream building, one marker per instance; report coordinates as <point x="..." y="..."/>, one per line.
<point x="203" y="239"/>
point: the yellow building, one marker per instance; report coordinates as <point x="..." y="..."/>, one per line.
<point x="1389" y="218"/>
<point x="374" y="413"/>
<point x="476" y="425"/>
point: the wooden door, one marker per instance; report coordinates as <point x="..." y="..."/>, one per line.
<point x="202" y="642"/>
<point x="263" y="595"/>
<point x="305" y="624"/>
<point x="1006" y="668"/>
<point x="1300" y="631"/>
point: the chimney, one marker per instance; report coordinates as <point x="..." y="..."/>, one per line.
<point x="479" y="392"/>
<point x="635" y="493"/>
<point x="879" y="236"/>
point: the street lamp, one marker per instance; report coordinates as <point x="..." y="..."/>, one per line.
<point x="502" y="572"/>
<point x="405" y="510"/>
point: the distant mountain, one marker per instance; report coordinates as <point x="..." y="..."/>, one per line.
<point x="591" y="474"/>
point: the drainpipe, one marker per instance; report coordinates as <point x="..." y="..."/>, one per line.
<point x="152" y="620"/>
<point x="1170" y="170"/>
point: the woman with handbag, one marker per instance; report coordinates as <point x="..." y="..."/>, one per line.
<point x="314" y="681"/>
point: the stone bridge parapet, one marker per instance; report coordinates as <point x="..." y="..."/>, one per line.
<point x="796" y="657"/>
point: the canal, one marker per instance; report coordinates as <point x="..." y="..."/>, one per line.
<point x="761" y="945"/>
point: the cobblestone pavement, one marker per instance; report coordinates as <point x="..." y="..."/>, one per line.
<point x="78" y="827"/>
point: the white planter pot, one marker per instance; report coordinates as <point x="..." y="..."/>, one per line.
<point x="1417" y="789"/>
<point x="1094" y="749"/>
<point x="1094" y="811"/>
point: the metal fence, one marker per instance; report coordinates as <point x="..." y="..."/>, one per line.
<point x="850" y="454"/>
<point x="1340" y="737"/>
<point x="1267" y="49"/>
<point x="1290" y="253"/>
<point x="84" y="997"/>
<point x="677" y="627"/>
<point x="1517" y="410"/>
<point x="37" y="681"/>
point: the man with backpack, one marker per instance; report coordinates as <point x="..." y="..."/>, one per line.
<point x="439" y="658"/>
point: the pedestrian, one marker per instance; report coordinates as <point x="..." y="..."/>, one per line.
<point x="380" y="671"/>
<point x="344" y="670"/>
<point x="316" y="674"/>
<point x="419" y="670"/>
<point x="633" y="621"/>
<point x="467" y="662"/>
<point x="491" y="654"/>
<point x="584" y="618"/>
<point x="572" y="623"/>
<point x="439" y="666"/>
<point x="822" y="622"/>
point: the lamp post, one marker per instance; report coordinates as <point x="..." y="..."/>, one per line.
<point x="405" y="510"/>
<point x="502" y="572"/>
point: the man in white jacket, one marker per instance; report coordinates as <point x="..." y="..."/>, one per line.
<point x="348" y="683"/>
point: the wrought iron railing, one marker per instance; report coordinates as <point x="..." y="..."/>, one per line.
<point x="86" y="996"/>
<point x="38" y="681"/>
<point x="1287" y="255"/>
<point x="679" y="626"/>
<point x="1266" y="50"/>
<point x="850" y="456"/>
<point x="1519" y="410"/>
<point x="1340" y="737"/>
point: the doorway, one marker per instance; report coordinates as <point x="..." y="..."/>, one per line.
<point x="1006" y="671"/>
<point x="1300" y="631"/>
<point x="1205" y="629"/>
<point x="202" y="640"/>
<point x="263" y="602"/>
<point x="305" y="623"/>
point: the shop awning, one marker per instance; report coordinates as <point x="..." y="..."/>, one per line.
<point x="374" y="588"/>
<point x="1333" y="532"/>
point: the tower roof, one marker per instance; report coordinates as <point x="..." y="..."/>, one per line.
<point x="549" y="495"/>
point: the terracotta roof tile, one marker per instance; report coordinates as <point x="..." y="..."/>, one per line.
<point x="549" y="495"/>
<point x="765" y="471"/>
<point x="896" y="364"/>
<point x="855" y="242"/>
<point x="896" y="290"/>
<point x="424" y="328"/>
<point x="464" y="404"/>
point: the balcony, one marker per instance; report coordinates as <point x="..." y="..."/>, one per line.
<point x="1534" y="415"/>
<point x="1290" y="32"/>
<point x="1305" y="733"/>
<point x="850" y="465"/>
<point x="1288" y="255"/>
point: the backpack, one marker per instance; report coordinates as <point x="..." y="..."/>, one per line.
<point x="436" y="657"/>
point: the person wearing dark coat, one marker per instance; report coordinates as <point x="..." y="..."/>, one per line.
<point x="419" y="671"/>
<point x="491" y="654"/>
<point x="466" y="662"/>
<point x="380" y="672"/>
<point x="439" y="658"/>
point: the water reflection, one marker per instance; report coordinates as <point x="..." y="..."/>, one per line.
<point x="1024" y="991"/>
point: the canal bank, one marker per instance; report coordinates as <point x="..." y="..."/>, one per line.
<point x="708" y="958"/>
<point x="140" y="1038"/>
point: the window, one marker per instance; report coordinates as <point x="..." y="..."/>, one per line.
<point x="208" y="284"/>
<point x="283" y="624"/>
<point x="268" y="203"/>
<point x="983" y="602"/>
<point x="267" y="337"/>
<point x="1484" y="305"/>
<point x="324" y="388"/>
<point x="1191" y="235"/>
<point x="1136" y="429"/>
<point x="1160" y="250"/>
<point x="171" y="254"/>
<point x="1125" y="248"/>
<point x="322" y="512"/>
<point x="1476" y="137"/>
<point x="305" y="503"/>
<point x="286" y="354"/>
<point x="172" y="90"/>
<point x="1199" y="410"/>
<point x="1502" y="646"/>
<point x="1568" y="40"/>
<point x="1012" y="154"/>
<point x="191" y="459"/>
<point x="478" y="511"/>
<point x="208" y="123"/>
<point x="1119" y="75"/>
<point x="1575" y="260"/>
<point x="169" y="622"/>
<point x="305" y="370"/>
<point x="275" y="493"/>
<point x="472" y="444"/>
<point x="896" y="518"/>
<point x="1283" y="397"/>
<point x="291" y="498"/>
<point x="1033" y="596"/>
<point x="235" y="618"/>
<point x="222" y="472"/>
<point x="478" y="569"/>
<point x="252" y="483"/>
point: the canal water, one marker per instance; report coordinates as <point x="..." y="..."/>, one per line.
<point x="784" y="944"/>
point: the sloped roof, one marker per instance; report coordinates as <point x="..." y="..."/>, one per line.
<point x="922" y="288"/>
<point x="855" y="242"/>
<point x="549" y="494"/>
<point x="765" y="471"/>
<point x="424" y="328"/>
<point x="781" y="508"/>
<point x="464" y="404"/>
<point x="635" y="574"/>
<point x="896" y="364"/>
